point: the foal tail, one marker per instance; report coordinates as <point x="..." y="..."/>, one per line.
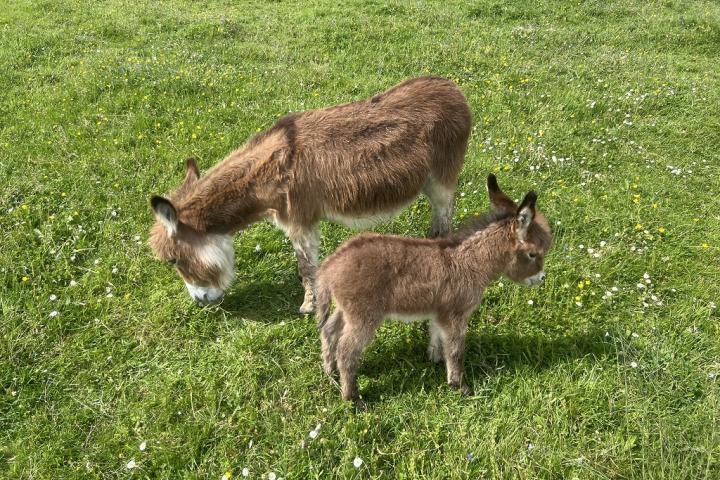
<point x="322" y="305"/>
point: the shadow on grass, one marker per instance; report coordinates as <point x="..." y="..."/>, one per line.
<point x="265" y="301"/>
<point x="399" y="367"/>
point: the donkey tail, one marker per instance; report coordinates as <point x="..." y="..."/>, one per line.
<point x="322" y="305"/>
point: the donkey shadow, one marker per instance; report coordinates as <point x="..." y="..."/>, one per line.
<point x="267" y="301"/>
<point x="399" y="367"/>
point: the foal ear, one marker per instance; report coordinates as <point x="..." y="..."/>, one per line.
<point x="525" y="215"/>
<point x="165" y="212"/>
<point x="498" y="200"/>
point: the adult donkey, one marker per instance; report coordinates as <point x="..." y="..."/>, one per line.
<point x="355" y="164"/>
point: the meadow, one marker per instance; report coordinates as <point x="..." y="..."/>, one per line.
<point x="610" y="110"/>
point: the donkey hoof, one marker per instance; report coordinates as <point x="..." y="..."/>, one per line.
<point x="307" y="307"/>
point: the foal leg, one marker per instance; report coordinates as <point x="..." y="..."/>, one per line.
<point x="454" y="349"/>
<point x="353" y="340"/>
<point x="442" y="201"/>
<point x="329" y="339"/>
<point x="306" y="243"/>
<point x="435" y="349"/>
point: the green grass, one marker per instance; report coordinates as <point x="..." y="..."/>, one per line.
<point x="615" y="103"/>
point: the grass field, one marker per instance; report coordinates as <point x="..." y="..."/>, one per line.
<point x="609" y="109"/>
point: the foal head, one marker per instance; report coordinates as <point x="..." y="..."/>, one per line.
<point x="530" y="234"/>
<point x="205" y="261"/>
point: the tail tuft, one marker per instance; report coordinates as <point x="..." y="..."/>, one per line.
<point x="322" y="304"/>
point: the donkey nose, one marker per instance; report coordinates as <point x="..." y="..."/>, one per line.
<point x="542" y="277"/>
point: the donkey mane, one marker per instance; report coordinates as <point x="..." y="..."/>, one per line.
<point x="478" y="223"/>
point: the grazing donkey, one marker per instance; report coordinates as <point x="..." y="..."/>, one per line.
<point x="373" y="276"/>
<point x="355" y="164"/>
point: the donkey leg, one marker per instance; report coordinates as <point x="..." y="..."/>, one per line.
<point x="454" y="349"/>
<point x="329" y="339"/>
<point x="442" y="200"/>
<point x="353" y="340"/>
<point x="435" y="348"/>
<point x="306" y="243"/>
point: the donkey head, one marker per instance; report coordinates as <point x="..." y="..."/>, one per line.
<point x="530" y="234"/>
<point x="205" y="261"/>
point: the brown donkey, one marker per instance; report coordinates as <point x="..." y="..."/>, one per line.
<point x="355" y="164"/>
<point x="372" y="277"/>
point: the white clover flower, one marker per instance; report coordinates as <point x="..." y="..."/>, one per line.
<point x="646" y="275"/>
<point x="53" y="297"/>
<point x="272" y="476"/>
<point x="54" y="313"/>
<point x="96" y="262"/>
<point x="633" y="364"/>
<point x="131" y="464"/>
<point x="245" y="472"/>
<point x="640" y="286"/>
<point x="73" y="283"/>
<point x="143" y="446"/>
<point x="258" y="248"/>
<point x="530" y="302"/>
<point x="136" y="238"/>
<point x="357" y="463"/>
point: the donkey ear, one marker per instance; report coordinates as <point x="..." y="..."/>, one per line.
<point x="192" y="172"/>
<point x="498" y="200"/>
<point x="525" y="215"/>
<point x="165" y="212"/>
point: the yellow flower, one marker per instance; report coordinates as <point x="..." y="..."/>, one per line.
<point x="24" y="207"/>
<point x="638" y="226"/>
<point x="587" y="282"/>
<point x="661" y="230"/>
<point x="581" y="285"/>
<point x="25" y="279"/>
<point x="578" y="298"/>
<point x="705" y="245"/>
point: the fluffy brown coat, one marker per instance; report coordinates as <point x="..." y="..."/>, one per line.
<point x="372" y="277"/>
<point x="354" y="163"/>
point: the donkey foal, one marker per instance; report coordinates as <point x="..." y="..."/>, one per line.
<point x="372" y="277"/>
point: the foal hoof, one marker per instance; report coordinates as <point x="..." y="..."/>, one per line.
<point x="463" y="388"/>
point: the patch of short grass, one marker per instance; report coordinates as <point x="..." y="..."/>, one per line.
<point x="607" y="109"/>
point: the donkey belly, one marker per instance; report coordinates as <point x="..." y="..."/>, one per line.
<point x="363" y="221"/>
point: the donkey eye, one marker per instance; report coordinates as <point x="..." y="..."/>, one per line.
<point x="531" y="256"/>
<point x="172" y="261"/>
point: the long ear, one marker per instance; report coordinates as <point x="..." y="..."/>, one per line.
<point x="498" y="200"/>
<point x="525" y="215"/>
<point x="192" y="173"/>
<point x="165" y="212"/>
